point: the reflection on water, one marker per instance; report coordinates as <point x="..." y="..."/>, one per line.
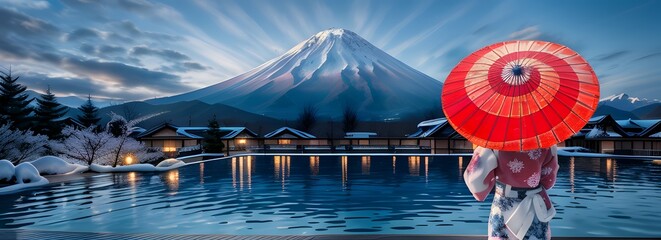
<point x="461" y="167"/>
<point x="172" y="180"/>
<point x="365" y="165"/>
<point x="244" y="195"/>
<point x="201" y="173"/>
<point x="611" y="169"/>
<point x="314" y="165"/>
<point x="131" y="177"/>
<point x="414" y="165"/>
<point x="344" y="161"/>
<point x="572" y="166"/>
<point x="281" y="169"/>
<point x="242" y="172"/>
<point x="426" y="169"/>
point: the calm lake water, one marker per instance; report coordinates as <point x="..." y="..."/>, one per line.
<point x="332" y="195"/>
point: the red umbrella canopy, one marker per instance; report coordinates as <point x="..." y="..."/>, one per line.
<point x="520" y="95"/>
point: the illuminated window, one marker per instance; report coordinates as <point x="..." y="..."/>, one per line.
<point x="284" y="141"/>
<point x="169" y="149"/>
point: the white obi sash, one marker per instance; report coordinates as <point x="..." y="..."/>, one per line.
<point x="530" y="207"/>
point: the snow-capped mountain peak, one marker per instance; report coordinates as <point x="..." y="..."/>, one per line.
<point x="625" y="102"/>
<point x="331" y="69"/>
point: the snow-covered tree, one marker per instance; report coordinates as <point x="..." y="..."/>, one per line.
<point x="14" y="102"/>
<point x="20" y="145"/>
<point x="85" y="145"/>
<point x="122" y="148"/>
<point x="89" y="115"/>
<point x="46" y="113"/>
<point x="123" y="145"/>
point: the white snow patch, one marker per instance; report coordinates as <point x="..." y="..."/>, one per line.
<point x="170" y="162"/>
<point x="6" y="170"/>
<point x="579" y="152"/>
<point x="137" y="167"/>
<point x="26" y="176"/>
<point x="27" y="173"/>
<point x="52" y="165"/>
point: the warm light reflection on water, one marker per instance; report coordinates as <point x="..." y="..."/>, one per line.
<point x="344" y="162"/>
<point x="201" y="173"/>
<point x="426" y="169"/>
<point x="611" y="169"/>
<point x="314" y="165"/>
<point x="281" y="168"/>
<point x="242" y="170"/>
<point x="234" y="172"/>
<point x="365" y="165"/>
<point x="172" y="180"/>
<point x="414" y="165"/>
<point x="461" y="167"/>
<point x="394" y="161"/>
<point x="131" y="178"/>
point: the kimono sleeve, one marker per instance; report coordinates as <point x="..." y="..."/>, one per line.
<point x="550" y="169"/>
<point x="479" y="175"/>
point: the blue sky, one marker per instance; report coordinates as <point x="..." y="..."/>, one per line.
<point x="138" y="49"/>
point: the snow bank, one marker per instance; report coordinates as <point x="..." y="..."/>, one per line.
<point x="579" y="152"/>
<point x="27" y="173"/>
<point x="54" y="165"/>
<point x="26" y="176"/>
<point x="138" y="167"/>
<point x="170" y="162"/>
<point x="6" y="170"/>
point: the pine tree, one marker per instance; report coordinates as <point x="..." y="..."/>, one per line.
<point x="14" y="102"/>
<point x="89" y="116"/>
<point x="212" y="140"/>
<point x="46" y="115"/>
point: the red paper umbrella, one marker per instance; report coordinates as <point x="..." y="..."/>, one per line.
<point x="520" y="95"/>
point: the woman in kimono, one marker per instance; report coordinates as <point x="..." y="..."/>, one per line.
<point x="521" y="208"/>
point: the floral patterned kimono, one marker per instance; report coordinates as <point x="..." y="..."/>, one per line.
<point x="521" y="208"/>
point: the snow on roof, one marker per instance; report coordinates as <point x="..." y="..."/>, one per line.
<point x="629" y="123"/>
<point x="296" y="132"/>
<point x="597" y="118"/>
<point x="195" y="132"/>
<point x="359" y="134"/>
<point x="233" y="131"/>
<point x="598" y="133"/>
<point x="432" y="122"/>
<point x="428" y="127"/>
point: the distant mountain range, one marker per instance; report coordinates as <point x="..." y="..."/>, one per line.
<point x="623" y="106"/>
<point x="75" y="101"/>
<point x="330" y="70"/>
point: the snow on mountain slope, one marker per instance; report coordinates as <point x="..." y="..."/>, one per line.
<point x="625" y="102"/>
<point x="331" y="69"/>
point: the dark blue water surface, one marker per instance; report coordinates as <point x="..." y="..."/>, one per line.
<point x="332" y="195"/>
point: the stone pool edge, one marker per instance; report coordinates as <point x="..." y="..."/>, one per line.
<point x="6" y="234"/>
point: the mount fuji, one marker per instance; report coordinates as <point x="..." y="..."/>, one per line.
<point x="333" y="69"/>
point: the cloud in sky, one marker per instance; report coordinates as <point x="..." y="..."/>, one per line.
<point x="165" y="48"/>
